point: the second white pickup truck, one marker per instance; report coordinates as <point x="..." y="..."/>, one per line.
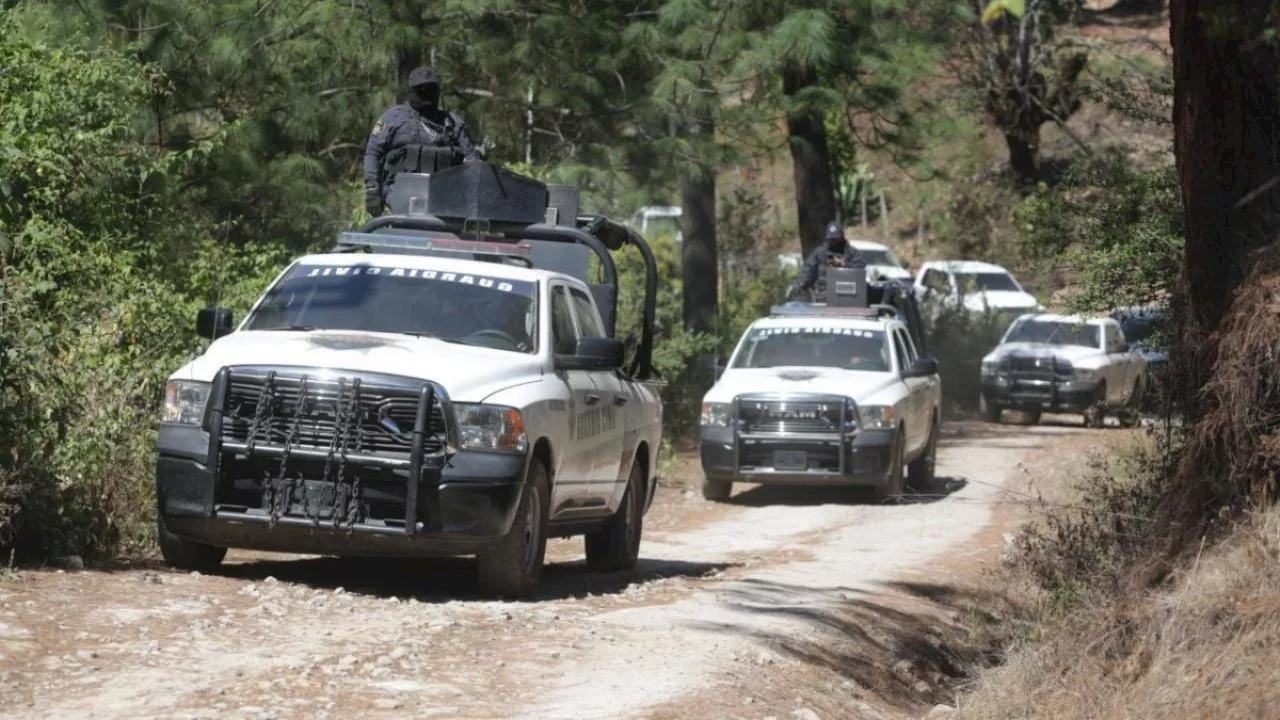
<point x="818" y="395"/>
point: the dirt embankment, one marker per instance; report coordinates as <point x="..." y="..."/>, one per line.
<point x="783" y="602"/>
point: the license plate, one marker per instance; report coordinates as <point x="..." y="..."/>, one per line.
<point x="790" y="460"/>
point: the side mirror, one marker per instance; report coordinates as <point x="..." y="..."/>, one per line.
<point x="594" y="354"/>
<point x="213" y="322"/>
<point x="922" y="367"/>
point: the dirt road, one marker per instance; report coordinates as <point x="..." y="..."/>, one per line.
<point x="783" y="603"/>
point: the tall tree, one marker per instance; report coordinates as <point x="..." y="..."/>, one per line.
<point x="1226" y="64"/>
<point x="1009" y="57"/>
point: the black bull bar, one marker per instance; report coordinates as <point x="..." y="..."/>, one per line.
<point x="299" y="418"/>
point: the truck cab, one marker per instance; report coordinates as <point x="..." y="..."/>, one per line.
<point x="440" y="383"/>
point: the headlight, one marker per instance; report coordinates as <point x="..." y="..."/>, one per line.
<point x="990" y="367"/>
<point x="877" y="417"/>
<point x="490" y="427"/>
<point x="1084" y="374"/>
<point x="184" y="402"/>
<point x="715" y="414"/>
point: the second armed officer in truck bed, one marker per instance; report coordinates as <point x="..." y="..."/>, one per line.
<point x="409" y="136"/>
<point x="835" y="251"/>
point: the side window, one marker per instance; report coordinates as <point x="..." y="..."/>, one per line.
<point x="564" y="338"/>
<point x="936" y="280"/>
<point x="903" y="360"/>
<point x="1115" y="342"/>
<point x="906" y="343"/>
<point x="587" y="317"/>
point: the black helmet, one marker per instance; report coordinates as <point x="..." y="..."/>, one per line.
<point x="423" y="76"/>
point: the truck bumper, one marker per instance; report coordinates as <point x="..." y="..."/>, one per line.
<point x="474" y="506"/>
<point x="1047" y="396"/>
<point x="861" y="460"/>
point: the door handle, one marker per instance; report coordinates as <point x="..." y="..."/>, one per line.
<point x="592" y="399"/>
<point x="620" y="400"/>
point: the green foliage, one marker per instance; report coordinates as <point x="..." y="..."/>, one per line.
<point x="1113" y="226"/>
<point x="960" y="338"/>
<point x="98" y="284"/>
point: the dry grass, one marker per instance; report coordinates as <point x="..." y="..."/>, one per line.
<point x="1206" y="646"/>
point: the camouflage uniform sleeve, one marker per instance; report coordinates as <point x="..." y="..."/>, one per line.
<point x="462" y="137"/>
<point x="376" y="148"/>
<point x="809" y="273"/>
<point x="853" y="258"/>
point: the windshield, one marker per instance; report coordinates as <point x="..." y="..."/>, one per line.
<point x="469" y="309"/>
<point x="986" y="281"/>
<point x="875" y="256"/>
<point x="845" y="348"/>
<point x="1048" y="332"/>
<point x="662" y="225"/>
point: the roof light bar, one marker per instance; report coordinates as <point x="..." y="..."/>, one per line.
<point x="413" y="242"/>
<point x="802" y="309"/>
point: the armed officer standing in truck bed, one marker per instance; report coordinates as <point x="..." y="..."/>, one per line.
<point x="834" y="252"/>
<point x="414" y="136"/>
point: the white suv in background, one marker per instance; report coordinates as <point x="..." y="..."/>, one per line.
<point x="881" y="262"/>
<point x="975" y="286"/>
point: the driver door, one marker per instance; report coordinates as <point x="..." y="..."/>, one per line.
<point x="608" y="413"/>
<point x="577" y="459"/>
<point x="914" y="422"/>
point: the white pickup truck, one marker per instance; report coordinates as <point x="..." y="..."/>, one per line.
<point x="1063" y="364"/>
<point x="817" y="395"/>
<point x="414" y="393"/>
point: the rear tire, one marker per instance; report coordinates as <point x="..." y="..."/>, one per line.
<point x="616" y="546"/>
<point x="1131" y="414"/>
<point x="716" y="490"/>
<point x="184" y="554"/>
<point x="513" y="567"/>
<point x="892" y="487"/>
<point x="922" y="471"/>
<point x="990" y="413"/>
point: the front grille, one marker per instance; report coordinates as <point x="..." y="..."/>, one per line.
<point x="785" y="416"/>
<point x="386" y="414"/>
<point x="1038" y="367"/>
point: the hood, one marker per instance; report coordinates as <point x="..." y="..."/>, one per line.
<point x="468" y="374"/>
<point x="893" y="272"/>
<point x="1000" y="300"/>
<point x="1070" y="353"/>
<point x="856" y="384"/>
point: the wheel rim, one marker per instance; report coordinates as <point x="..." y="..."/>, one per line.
<point x="531" y="527"/>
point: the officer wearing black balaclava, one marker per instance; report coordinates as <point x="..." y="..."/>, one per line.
<point x="835" y="251"/>
<point x="415" y="136"/>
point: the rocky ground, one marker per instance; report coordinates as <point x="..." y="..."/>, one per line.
<point x="784" y="603"/>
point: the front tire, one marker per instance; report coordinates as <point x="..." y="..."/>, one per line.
<point x="184" y="554"/>
<point x="922" y="471"/>
<point x="1095" y="416"/>
<point x="513" y="567"/>
<point x="616" y="546"/>
<point x="990" y="413"/>
<point x="716" y="490"/>
<point x="892" y="487"/>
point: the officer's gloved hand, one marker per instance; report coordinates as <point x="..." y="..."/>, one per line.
<point x="372" y="201"/>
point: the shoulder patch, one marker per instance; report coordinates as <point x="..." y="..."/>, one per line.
<point x="379" y="127"/>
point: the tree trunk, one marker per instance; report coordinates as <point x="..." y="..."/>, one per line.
<point x="1226" y="118"/>
<point x="1024" y="155"/>
<point x="811" y="158"/>
<point x="698" y="250"/>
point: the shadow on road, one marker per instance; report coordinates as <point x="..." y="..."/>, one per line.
<point x="454" y="578"/>
<point x="809" y="496"/>
<point x="905" y="643"/>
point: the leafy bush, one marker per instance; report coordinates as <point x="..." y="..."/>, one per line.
<point x="100" y="273"/>
<point x="959" y="339"/>
<point x="1115" y="227"/>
